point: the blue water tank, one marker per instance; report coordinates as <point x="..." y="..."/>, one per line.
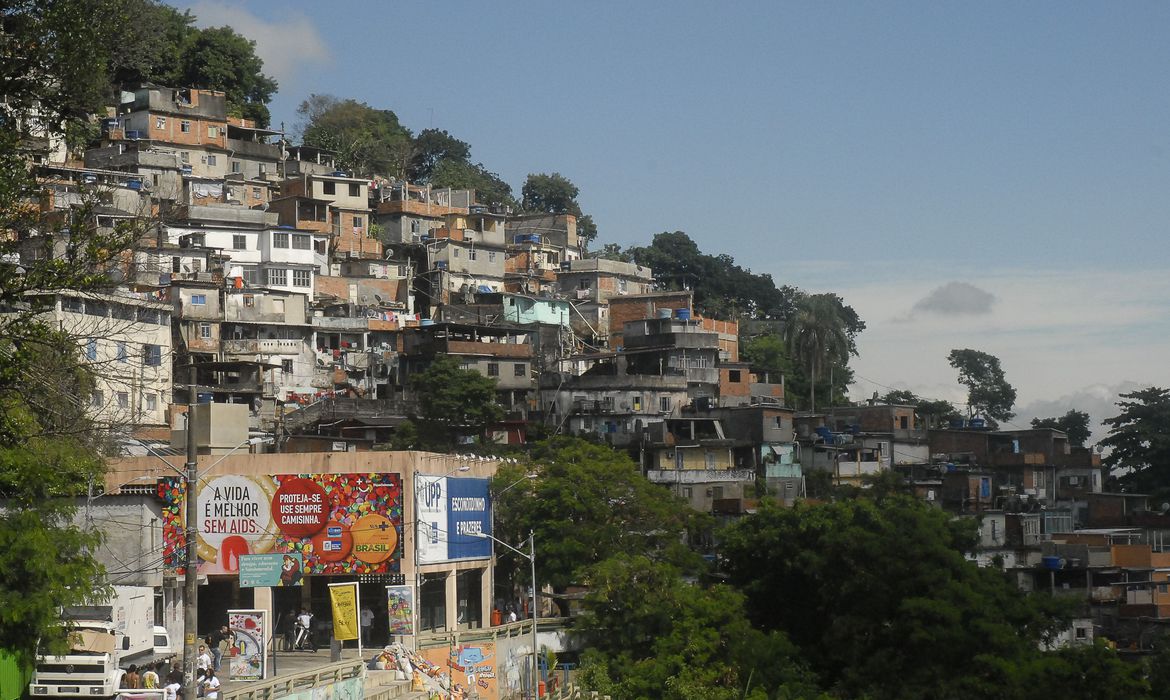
<point x="1052" y="563"/>
<point x="977" y="423"/>
<point x="427" y="322"/>
<point x="957" y="423"/>
<point x="684" y="314"/>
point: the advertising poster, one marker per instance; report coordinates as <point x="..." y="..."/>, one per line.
<point x="470" y="667"/>
<point x="451" y="515"/>
<point x="344" y="604"/>
<point x="257" y="570"/>
<point x="336" y="523"/>
<point x="400" y="606"/>
<point x="245" y="656"/>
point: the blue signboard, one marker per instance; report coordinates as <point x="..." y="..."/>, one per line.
<point x="258" y="570"/>
<point x="469" y="508"/>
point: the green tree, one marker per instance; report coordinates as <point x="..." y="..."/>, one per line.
<point x="218" y="58"/>
<point x="588" y="503"/>
<point x="878" y="596"/>
<point x="556" y="194"/>
<point x="431" y="147"/>
<point x="658" y="636"/>
<point x="816" y="336"/>
<point x="768" y="357"/>
<point x="54" y="63"/>
<point x="1074" y="423"/>
<point x="490" y="188"/>
<point x="150" y="44"/>
<point x="453" y="403"/>
<point x="1139" y="440"/>
<point x="722" y="289"/>
<point x="988" y="392"/>
<point x="931" y="413"/>
<point x="367" y="141"/>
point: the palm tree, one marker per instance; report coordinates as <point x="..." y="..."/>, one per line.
<point x="816" y="335"/>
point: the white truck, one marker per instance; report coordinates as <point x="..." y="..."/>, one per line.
<point x="104" y="641"/>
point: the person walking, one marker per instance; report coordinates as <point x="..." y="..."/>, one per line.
<point x="131" y="679"/>
<point x="150" y="678"/>
<point x="367" y="624"/>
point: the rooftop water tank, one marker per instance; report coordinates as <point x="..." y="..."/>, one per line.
<point x="684" y="314"/>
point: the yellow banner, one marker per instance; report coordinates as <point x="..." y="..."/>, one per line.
<point x="343" y="598"/>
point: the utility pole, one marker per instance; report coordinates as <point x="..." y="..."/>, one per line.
<point x="191" y="577"/>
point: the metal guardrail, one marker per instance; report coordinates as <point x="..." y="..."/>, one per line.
<point x="287" y="685"/>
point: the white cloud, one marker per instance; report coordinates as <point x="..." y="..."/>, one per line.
<point x="287" y="45"/>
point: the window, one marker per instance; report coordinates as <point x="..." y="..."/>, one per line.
<point x="286" y="366"/>
<point x="176" y="264"/>
<point x="123" y="399"/>
<point x="239" y="242"/>
<point x="302" y="278"/>
<point x="493" y="369"/>
<point x="237" y="166"/>
<point x="210" y="159"/>
<point x="205" y="331"/>
<point x="185" y="126"/>
<point x="733" y="376"/>
<point x="519" y="370"/>
<point x="185" y="157"/>
<point x="252" y="277"/>
<point x="455" y="253"/>
<point x="280" y="240"/>
<point x="212" y="132"/>
<point x="160" y="122"/>
<point x="637" y="403"/>
<point x="904" y="422"/>
<point x="152" y="355"/>
<point x="249" y="301"/>
<point x="198" y="240"/>
<point x="329" y="187"/>
<point x="278" y="277"/>
<point x="151" y="401"/>
<point x="255" y="193"/>
<point x="1082" y="633"/>
<point x="415" y="225"/>
<point x="687" y="491"/>
<point x="358" y="221"/>
<point x="709" y="460"/>
<point x="355" y="190"/>
<point x="199" y="299"/>
<point x="123" y="356"/>
<point x="262" y="168"/>
<point x="471" y="254"/>
<point x="716" y="492"/>
<point x="491" y="256"/>
<point x="91" y="349"/>
<point x="664" y="403"/>
<point x="621" y="286"/>
<point x="301" y="242"/>
<point x="583" y="284"/>
<point x="97" y="399"/>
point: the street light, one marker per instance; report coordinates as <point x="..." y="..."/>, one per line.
<point x="531" y="557"/>
<point x="526" y="477"/>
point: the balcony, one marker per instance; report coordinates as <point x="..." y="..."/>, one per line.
<point x="262" y="346"/>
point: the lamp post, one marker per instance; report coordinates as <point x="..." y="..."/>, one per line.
<point x="531" y="557"/>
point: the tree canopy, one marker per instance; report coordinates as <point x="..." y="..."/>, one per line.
<point x="988" y="392"/>
<point x="817" y="335"/>
<point x="1074" y="423"/>
<point x="454" y="403"/>
<point x="1139" y="440"/>
<point x="367" y="141"/>
<point x="556" y="194"/>
<point x="880" y="599"/>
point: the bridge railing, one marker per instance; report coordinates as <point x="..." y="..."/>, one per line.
<point x="292" y="683"/>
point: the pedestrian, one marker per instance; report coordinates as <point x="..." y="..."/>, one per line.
<point x="218" y="642"/>
<point x="150" y="678"/>
<point x="211" y="686"/>
<point x="367" y="623"/>
<point x="203" y="660"/>
<point x="511" y="614"/>
<point x="131" y="679"/>
<point x="173" y="687"/>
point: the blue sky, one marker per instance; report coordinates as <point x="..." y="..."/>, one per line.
<point x="987" y="175"/>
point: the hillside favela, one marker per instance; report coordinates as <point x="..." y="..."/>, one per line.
<point x="373" y="352"/>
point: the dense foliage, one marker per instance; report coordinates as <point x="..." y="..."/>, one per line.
<point x="988" y="391"/>
<point x="1139" y="441"/>
<point x="454" y="403"/>
<point x="1074" y="423"/>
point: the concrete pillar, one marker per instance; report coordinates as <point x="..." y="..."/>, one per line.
<point x="487" y="600"/>
<point x="452" y="604"/>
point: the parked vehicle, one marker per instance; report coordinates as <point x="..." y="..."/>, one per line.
<point x="104" y="640"/>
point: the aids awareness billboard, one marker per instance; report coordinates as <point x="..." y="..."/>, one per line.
<point x="337" y="523"/>
<point x="452" y="513"/>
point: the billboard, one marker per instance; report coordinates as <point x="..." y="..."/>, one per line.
<point x="337" y="523"/>
<point x="246" y="660"/>
<point x="451" y="513"/>
<point x="400" y="608"/>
